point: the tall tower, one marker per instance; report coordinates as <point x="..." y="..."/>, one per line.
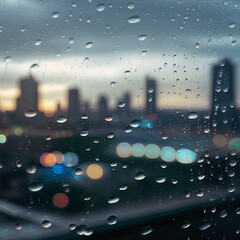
<point x="28" y="99"/>
<point x="73" y="102"/>
<point x="223" y="114"/>
<point x="150" y="96"/>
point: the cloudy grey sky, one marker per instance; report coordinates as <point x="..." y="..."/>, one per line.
<point x="183" y="39"/>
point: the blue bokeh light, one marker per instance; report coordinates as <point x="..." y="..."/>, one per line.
<point x="168" y="154"/>
<point x="58" y="168"/>
<point x="185" y="156"/>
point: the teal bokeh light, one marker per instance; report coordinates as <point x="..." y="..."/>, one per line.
<point x="138" y="150"/>
<point x="234" y="144"/>
<point x="3" y="138"/>
<point x="185" y="156"/>
<point x="152" y="151"/>
<point x="168" y="154"/>
<point x="70" y="159"/>
<point x="123" y="150"/>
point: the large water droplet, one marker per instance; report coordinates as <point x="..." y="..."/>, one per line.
<point x="46" y="224"/>
<point x="123" y="187"/>
<point x="204" y="226"/>
<point x="113" y="199"/>
<point x="89" y="44"/>
<point x="55" y="14"/>
<point x="160" y="179"/>
<point x="38" y="42"/>
<point x="135" y="123"/>
<point x="232" y="25"/>
<point x="35" y="186"/>
<point x="142" y="37"/>
<point x="112" y="220"/>
<point x="131" y="5"/>
<point x="223" y="214"/>
<point x="186" y="224"/>
<point x="30" y="113"/>
<point x="78" y="171"/>
<point x="134" y="19"/>
<point x="146" y="230"/>
<point x="71" y="40"/>
<point x="100" y="7"/>
<point x="108" y="118"/>
<point x="140" y="175"/>
<point x="84" y="133"/>
<point x="197" y="45"/>
<point x="61" y="119"/>
<point x="192" y="115"/>
<point x="112" y="84"/>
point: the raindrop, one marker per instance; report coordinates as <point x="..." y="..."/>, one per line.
<point x="46" y="224"/>
<point x="123" y="187"/>
<point x="61" y="119"/>
<point x="38" y="42"/>
<point x="234" y="42"/>
<point x="135" y="123"/>
<point x="204" y="226"/>
<point x="35" y="186"/>
<point x="142" y="37"/>
<point x="134" y="19"/>
<point x="186" y="224"/>
<point x="110" y="135"/>
<point x="108" y="118"/>
<point x="71" y="40"/>
<point x="143" y="53"/>
<point x="113" y="199"/>
<point x="55" y="14"/>
<point x="1" y="28"/>
<point x="232" y="25"/>
<point x="140" y="175"/>
<point x="7" y="59"/>
<point x="200" y="193"/>
<point x="146" y="230"/>
<point x="237" y="211"/>
<point x="127" y="130"/>
<point x="160" y="179"/>
<point x="80" y="230"/>
<point x="31" y="170"/>
<point x="197" y="45"/>
<point x="84" y="133"/>
<point x="30" y="113"/>
<point x="74" y="4"/>
<point x="78" y="171"/>
<point x="127" y="72"/>
<point x="89" y="44"/>
<point x="100" y="7"/>
<point x="192" y="115"/>
<point x="121" y="104"/>
<point x="112" y="220"/>
<point x="23" y="29"/>
<point x="231" y="188"/>
<point x="131" y="5"/>
<point x="18" y="226"/>
<point x="223" y="214"/>
<point x="34" y="66"/>
<point x="72" y="227"/>
<point x="112" y="84"/>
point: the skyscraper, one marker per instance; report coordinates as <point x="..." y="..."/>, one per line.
<point x="28" y="99"/>
<point x="223" y="109"/>
<point x="150" y="96"/>
<point x="73" y="102"/>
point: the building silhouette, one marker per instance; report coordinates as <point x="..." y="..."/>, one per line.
<point x="223" y="109"/>
<point x="73" y="103"/>
<point x="28" y="98"/>
<point x="151" y="107"/>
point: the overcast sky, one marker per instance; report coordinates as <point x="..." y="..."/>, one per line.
<point x="182" y="41"/>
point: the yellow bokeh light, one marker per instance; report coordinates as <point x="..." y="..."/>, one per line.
<point x="94" y="171"/>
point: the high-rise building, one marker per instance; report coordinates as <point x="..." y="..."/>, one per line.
<point x="28" y="99"/>
<point x="151" y="107"/>
<point x="223" y="111"/>
<point x="102" y="107"/>
<point x="73" y="102"/>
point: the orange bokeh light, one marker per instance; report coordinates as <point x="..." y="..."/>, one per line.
<point x="48" y="159"/>
<point x="60" y="200"/>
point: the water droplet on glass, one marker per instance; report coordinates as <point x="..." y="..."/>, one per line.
<point x="46" y="224"/>
<point x="71" y="40"/>
<point x="7" y="59"/>
<point x="200" y="193"/>
<point x="121" y="104"/>
<point x="223" y="214"/>
<point x="234" y="42"/>
<point x="78" y="171"/>
<point x="23" y="29"/>
<point x="197" y="45"/>
<point x="80" y="230"/>
<point x="18" y="226"/>
<point x="192" y="115"/>
<point x="146" y="230"/>
<point x="113" y="199"/>
<point x="144" y="53"/>
<point x="72" y="227"/>
<point x="34" y="66"/>
<point x="232" y="25"/>
<point x="140" y="175"/>
<point x="160" y="179"/>
<point x="108" y="118"/>
<point x="204" y="226"/>
<point x="61" y="119"/>
<point x="74" y="4"/>
<point x="127" y="72"/>
<point x="110" y="135"/>
<point x="38" y="42"/>
<point x="131" y="5"/>
<point x="123" y="187"/>
<point x="135" y="123"/>
<point x="1" y="28"/>
<point x="55" y="14"/>
<point x="35" y="186"/>
<point x="237" y="211"/>
<point x="127" y="130"/>
<point x="134" y="19"/>
<point x="112" y="84"/>
<point x="31" y="169"/>
<point x="142" y="37"/>
<point x="89" y="44"/>
<point x="84" y="133"/>
<point x="112" y="220"/>
<point x="186" y="224"/>
<point x="100" y="7"/>
<point x="30" y="113"/>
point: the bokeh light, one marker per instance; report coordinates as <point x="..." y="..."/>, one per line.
<point x="3" y="138"/>
<point x="185" y="156"/>
<point x="168" y="154"/>
<point x="123" y="150"/>
<point x="234" y="144"/>
<point x="60" y="200"/>
<point x="58" y="168"/>
<point x="48" y="159"/>
<point x="138" y="150"/>
<point x="59" y="156"/>
<point x="152" y="151"/>
<point x="94" y="171"/>
<point x="70" y="159"/>
<point x="220" y="140"/>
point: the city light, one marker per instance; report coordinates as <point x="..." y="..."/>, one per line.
<point x="138" y="150"/>
<point x="152" y="151"/>
<point x="58" y="168"/>
<point x="3" y="138"/>
<point x="168" y="154"/>
<point x="70" y="159"/>
<point x="48" y="159"/>
<point x="185" y="156"/>
<point x="234" y="144"/>
<point x="94" y="171"/>
<point x="220" y="140"/>
<point x="60" y="200"/>
<point x="124" y="150"/>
